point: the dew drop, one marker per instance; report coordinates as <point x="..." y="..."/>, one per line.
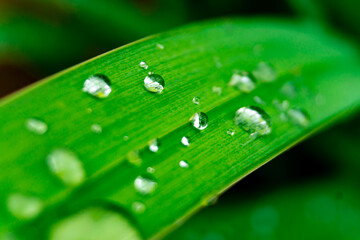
<point x="217" y="90"/>
<point x="134" y="158"/>
<point x="97" y="86"/>
<point x="138" y="207"/>
<point x="185" y="141"/>
<point x="299" y="117"/>
<point x="258" y="100"/>
<point x="196" y="100"/>
<point x="36" y="126"/>
<point x="94" y="223"/>
<point x="145" y="185"/>
<point x="281" y="106"/>
<point x="96" y="128"/>
<point x="199" y="120"/>
<point x="183" y="164"/>
<point x="65" y="165"/>
<point x="253" y="120"/>
<point x="23" y="206"/>
<point x="242" y="82"/>
<point x="160" y="46"/>
<point x="150" y="170"/>
<point x="143" y="65"/>
<point x="264" y="72"/>
<point x="154" y="83"/>
<point x="289" y="90"/>
<point x="231" y="132"/>
<point x="154" y="145"/>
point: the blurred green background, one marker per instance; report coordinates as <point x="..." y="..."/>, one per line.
<point x="310" y="192"/>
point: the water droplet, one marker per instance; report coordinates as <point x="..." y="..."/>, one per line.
<point x="145" y="185"/>
<point x="96" y="128"/>
<point x="97" y="86"/>
<point x="23" y="206"/>
<point x="253" y="120"/>
<point x="150" y="170"/>
<point x="66" y="166"/>
<point x="242" y="81"/>
<point x="126" y="138"/>
<point x="217" y="90"/>
<point x="212" y="201"/>
<point x="199" y="120"/>
<point x="154" y="83"/>
<point x="264" y="72"/>
<point x="196" y="100"/>
<point x="298" y="117"/>
<point x="289" y="90"/>
<point x="183" y="164"/>
<point x="94" y="223"/>
<point x="258" y="100"/>
<point x="160" y="46"/>
<point x="281" y="106"/>
<point x="231" y="132"/>
<point x="36" y="126"/>
<point x="143" y="65"/>
<point x="138" y="207"/>
<point x="217" y="62"/>
<point x="185" y="141"/>
<point x="154" y="145"/>
<point x="89" y="110"/>
<point x="134" y="158"/>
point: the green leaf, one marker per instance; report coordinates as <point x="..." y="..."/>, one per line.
<point x="321" y="70"/>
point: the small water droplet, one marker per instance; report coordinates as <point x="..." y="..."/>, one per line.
<point x="196" y="100"/>
<point x="242" y="82"/>
<point x="264" y="220"/>
<point x="36" y="126"/>
<point x="299" y="117"/>
<point x="154" y="145"/>
<point x="89" y="110"/>
<point x="160" y="46"/>
<point x="138" y="207"/>
<point x="150" y="170"/>
<point x="258" y="100"/>
<point x="134" y="158"/>
<point x="185" y="141"/>
<point x="289" y="90"/>
<point x="154" y="83"/>
<point x="66" y="166"/>
<point x="23" y="206"/>
<point x="145" y="185"/>
<point x="212" y="201"/>
<point x="96" y="128"/>
<point x="253" y="120"/>
<point x="264" y="72"/>
<point x="217" y="62"/>
<point x="199" y="121"/>
<point x="143" y="65"/>
<point x="281" y="106"/>
<point x="126" y="138"/>
<point x="97" y="86"/>
<point x="217" y="90"/>
<point x="183" y="164"/>
<point x="231" y="132"/>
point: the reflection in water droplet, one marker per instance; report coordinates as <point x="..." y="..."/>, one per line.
<point x="298" y="117"/>
<point x="154" y="83"/>
<point x="183" y="164"/>
<point x="242" y="82"/>
<point x="199" y="121"/>
<point x="23" y="206"/>
<point x="264" y="72"/>
<point x="196" y="100"/>
<point x="96" y="128"/>
<point x="145" y="185"/>
<point x="231" y="132"/>
<point x="264" y="220"/>
<point x="66" y="166"/>
<point x="154" y="145"/>
<point x="217" y="90"/>
<point x="97" y="86"/>
<point x="160" y="46"/>
<point x="253" y="120"/>
<point x="134" y="158"/>
<point x="138" y="207"/>
<point x="36" y="126"/>
<point x="94" y="224"/>
<point x="143" y="65"/>
<point x="185" y="141"/>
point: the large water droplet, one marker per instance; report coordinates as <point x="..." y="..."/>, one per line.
<point x="199" y="120"/>
<point x="23" y="206"/>
<point x="143" y="65"/>
<point x="196" y="100"/>
<point x="264" y="72"/>
<point x="97" y="86"/>
<point x="94" y="224"/>
<point x="96" y="128"/>
<point x="154" y="145"/>
<point x="242" y="81"/>
<point x="66" y="166"/>
<point x="36" y="126"/>
<point x="185" y="141"/>
<point x="138" y="207"/>
<point x="183" y="164"/>
<point x="145" y="185"/>
<point x="154" y="83"/>
<point x="299" y="117"/>
<point x="253" y="120"/>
